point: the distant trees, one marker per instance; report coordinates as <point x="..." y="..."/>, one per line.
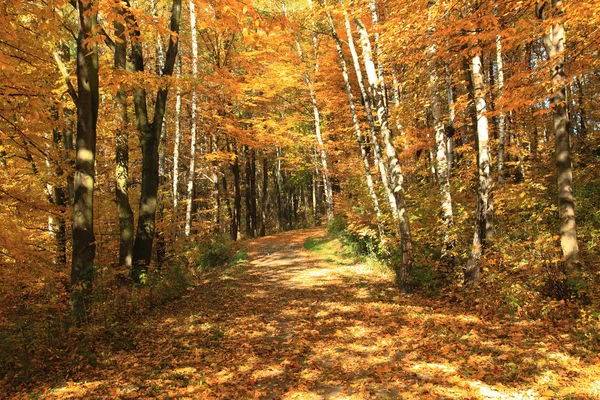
<point x="279" y="121"/>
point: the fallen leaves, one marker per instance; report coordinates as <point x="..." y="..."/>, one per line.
<point x="316" y="339"/>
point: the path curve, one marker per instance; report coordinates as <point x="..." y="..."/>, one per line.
<point x="292" y="324"/>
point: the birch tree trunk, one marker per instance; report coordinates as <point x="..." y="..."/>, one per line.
<point x="177" y="142"/>
<point x="554" y="43"/>
<point x="357" y="131"/>
<point x="317" y="120"/>
<point x="397" y="179"/>
<point x="192" y="168"/>
<point x="484" y="226"/>
<point x="500" y="120"/>
<point x="441" y="162"/>
<point x="372" y="128"/>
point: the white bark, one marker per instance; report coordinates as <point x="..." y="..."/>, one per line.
<point x="484" y="228"/>
<point x="501" y="121"/>
<point x="357" y="131"/>
<point x="321" y="147"/>
<point x="397" y="179"/>
<point x="441" y="159"/>
<point x="191" y="174"/>
<point x="177" y="140"/>
<point x="372" y="129"/>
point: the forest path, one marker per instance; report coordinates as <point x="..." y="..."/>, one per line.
<point x="289" y="323"/>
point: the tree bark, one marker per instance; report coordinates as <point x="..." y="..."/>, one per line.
<point x="372" y="128"/>
<point x="124" y="211"/>
<point x="192" y="168"/>
<point x="442" y="165"/>
<point x="358" y="133"/>
<point x="554" y="43"/>
<point x="484" y="226"/>
<point x="177" y="142"/>
<point x="264" y="197"/>
<point x="404" y="274"/>
<point x="500" y="120"/>
<point x="84" y="247"/>
<point x="317" y="121"/>
<point x="150" y="136"/>
<point x="237" y="202"/>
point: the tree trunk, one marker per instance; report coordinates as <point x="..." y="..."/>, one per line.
<point x="484" y="227"/>
<point x="356" y="123"/>
<point x="265" y="197"/>
<point x="237" y="202"/>
<point x="192" y="168"/>
<point x="442" y="169"/>
<point x="161" y="243"/>
<point x="84" y="247"/>
<point x="126" y="223"/>
<point x="150" y="136"/>
<point x="554" y="43"/>
<point x="279" y="190"/>
<point x="321" y="147"/>
<point x="500" y="120"/>
<point x="397" y="179"/>
<point x="177" y="142"/>
<point x="372" y="128"/>
<point x="450" y="126"/>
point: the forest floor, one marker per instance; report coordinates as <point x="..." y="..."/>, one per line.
<point x="289" y="323"/>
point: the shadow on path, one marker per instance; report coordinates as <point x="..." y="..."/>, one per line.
<point x="289" y="325"/>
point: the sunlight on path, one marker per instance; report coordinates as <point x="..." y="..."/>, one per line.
<point x="288" y="324"/>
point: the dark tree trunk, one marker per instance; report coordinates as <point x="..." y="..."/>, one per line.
<point x="265" y="197"/>
<point x="248" y="194"/>
<point x="150" y="136"/>
<point x="237" y="201"/>
<point x="84" y="247"/>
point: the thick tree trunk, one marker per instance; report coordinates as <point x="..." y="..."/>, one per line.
<point x="554" y="43"/>
<point x="150" y="136"/>
<point x="125" y="213"/>
<point x="484" y="227"/>
<point x="84" y="247"/>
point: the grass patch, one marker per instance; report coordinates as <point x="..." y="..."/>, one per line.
<point x="240" y="257"/>
<point x="329" y="249"/>
<point x="316" y="245"/>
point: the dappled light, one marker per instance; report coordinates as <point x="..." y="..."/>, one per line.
<point x="300" y="199"/>
<point x="290" y="323"/>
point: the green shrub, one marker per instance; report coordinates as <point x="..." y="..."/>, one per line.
<point x="214" y="252"/>
<point x="336" y="226"/>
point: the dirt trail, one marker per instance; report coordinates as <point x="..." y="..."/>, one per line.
<point x="286" y="324"/>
